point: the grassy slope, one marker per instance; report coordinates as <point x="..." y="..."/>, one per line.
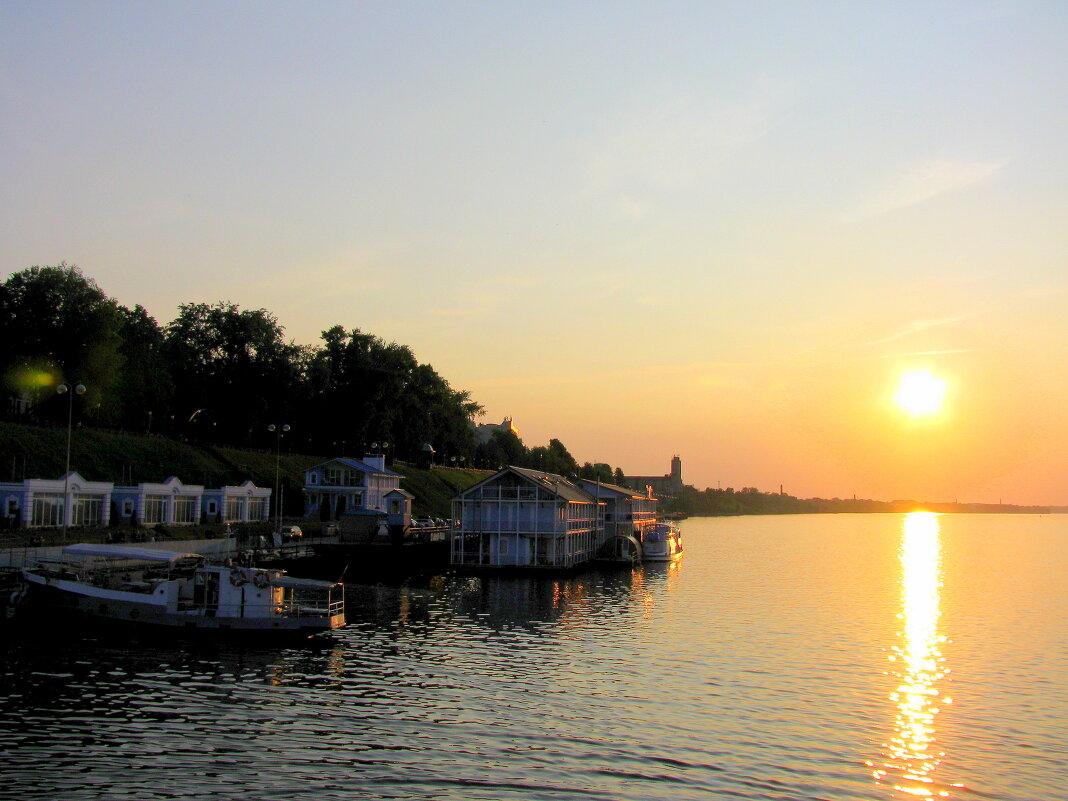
<point x="435" y="489"/>
<point x="32" y="452"/>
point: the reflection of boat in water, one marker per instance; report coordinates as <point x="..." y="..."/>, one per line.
<point x="661" y="542"/>
<point x="178" y="590"/>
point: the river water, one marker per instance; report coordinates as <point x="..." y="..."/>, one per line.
<point x="792" y="657"/>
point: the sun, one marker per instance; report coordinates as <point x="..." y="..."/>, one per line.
<point x="920" y="393"/>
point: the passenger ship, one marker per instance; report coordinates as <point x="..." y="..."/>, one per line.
<point x="168" y="589"/>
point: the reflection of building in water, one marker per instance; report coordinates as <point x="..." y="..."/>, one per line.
<point x="579" y="601"/>
<point x="516" y="601"/>
<point x="910" y="757"/>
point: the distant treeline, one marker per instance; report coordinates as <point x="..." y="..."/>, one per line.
<point x="751" y="501"/>
<point x="220" y="375"/>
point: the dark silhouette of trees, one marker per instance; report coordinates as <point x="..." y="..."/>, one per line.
<point x="218" y="374"/>
<point x="362" y="389"/>
<point x="145" y="388"/>
<point x="503" y="448"/>
<point x="596" y="472"/>
<point x="58" y="326"/>
<point x="553" y="459"/>
<point x="231" y="369"/>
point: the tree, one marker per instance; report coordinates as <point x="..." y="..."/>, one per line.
<point x="596" y="472"/>
<point x="362" y="389"/>
<point x="355" y="387"/>
<point x="234" y="367"/>
<point x="502" y="449"/>
<point x="553" y="459"/>
<point x="144" y="386"/>
<point x="58" y="326"/>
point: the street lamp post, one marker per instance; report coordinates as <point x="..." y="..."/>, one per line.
<point x="282" y="429"/>
<point x="71" y="391"/>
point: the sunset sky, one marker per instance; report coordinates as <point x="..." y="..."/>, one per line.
<point x="717" y="229"/>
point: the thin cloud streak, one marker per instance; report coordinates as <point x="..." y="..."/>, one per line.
<point x="672" y="144"/>
<point x="921" y="184"/>
<point x="628" y="373"/>
<point x="917" y="326"/>
<point x="923" y="354"/>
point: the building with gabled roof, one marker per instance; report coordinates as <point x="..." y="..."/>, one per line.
<point x="525" y="518"/>
<point x="68" y="500"/>
<point x="627" y="511"/>
<point x="245" y="503"/>
<point x="346" y="486"/>
<point x="169" y="503"/>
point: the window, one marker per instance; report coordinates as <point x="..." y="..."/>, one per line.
<point x="235" y="508"/>
<point x="313" y="478"/>
<point x="88" y="510"/>
<point x="212" y="508"/>
<point x="47" y="509"/>
<point x="127" y="508"/>
<point x="185" y="510"/>
<point x="155" y="509"/>
<point x="255" y="510"/>
<point x="342" y="477"/>
<point x="12" y="507"/>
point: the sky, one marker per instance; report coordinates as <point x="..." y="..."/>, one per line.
<point x="722" y="230"/>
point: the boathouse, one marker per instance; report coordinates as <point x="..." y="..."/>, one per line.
<point x="627" y="512"/>
<point x="346" y="486"/>
<point x="45" y="503"/>
<point x="525" y="518"/>
<point x="169" y="503"/>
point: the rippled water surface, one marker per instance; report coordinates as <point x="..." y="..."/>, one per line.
<point x="794" y="657"/>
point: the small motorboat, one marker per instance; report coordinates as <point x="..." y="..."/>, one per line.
<point x="169" y="589"/>
<point x="661" y="542"/>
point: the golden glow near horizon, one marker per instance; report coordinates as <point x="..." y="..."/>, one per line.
<point x="919" y="393"/>
<point x="910" y="758"/>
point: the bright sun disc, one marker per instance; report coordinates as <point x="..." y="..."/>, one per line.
<point x="920" y="392"/>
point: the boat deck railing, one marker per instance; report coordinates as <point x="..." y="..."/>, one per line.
<point x="310" y="608"/>
<point x="304" y="605"/>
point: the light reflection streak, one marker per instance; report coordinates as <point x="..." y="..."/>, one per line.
<point x="910" y="759"/>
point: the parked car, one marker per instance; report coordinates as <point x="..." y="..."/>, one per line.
<point x="291" y="533"/>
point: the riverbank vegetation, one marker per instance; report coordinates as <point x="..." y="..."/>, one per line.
<point x="751" y="501"/>
<point x="218" y="376"/>
<point x="196" y="397"/>
<point x="28" y="451"/>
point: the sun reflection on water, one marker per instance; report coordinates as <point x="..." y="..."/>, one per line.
<point x="911" y="758"/>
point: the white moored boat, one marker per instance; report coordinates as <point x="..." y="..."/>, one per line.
<point x="661" y="542"/>
<point x="159" y="588"/>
